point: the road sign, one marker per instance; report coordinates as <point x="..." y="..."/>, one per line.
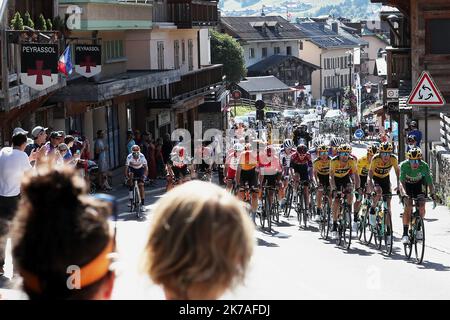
<point x="392" y="93"/>
<point x="426" y="93"/>
<point x="236" y="94"/>
<point x="260" y="105"/>
<point x="359" y="134"/>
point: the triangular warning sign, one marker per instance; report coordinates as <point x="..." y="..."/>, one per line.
<point x="426" y="93"/>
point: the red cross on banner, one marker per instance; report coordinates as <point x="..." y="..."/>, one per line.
<point x="88" y="63"/>
<point x="39" y="72"/>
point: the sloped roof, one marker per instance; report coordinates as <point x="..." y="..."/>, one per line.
<point x="250" y="28"/>
<point x="263" y="84"/>
<point x="323" y="37"/>
<point x="274" y="60"/>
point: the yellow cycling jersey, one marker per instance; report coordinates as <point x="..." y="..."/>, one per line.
<point x="322" y="167"/>
<point x="363" y="166"/>
<point x="381" y="169"/>
<point x="341" y="170"/>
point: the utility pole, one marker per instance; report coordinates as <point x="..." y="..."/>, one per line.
<point x="350" y="83"/>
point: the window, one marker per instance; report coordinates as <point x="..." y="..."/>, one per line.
<point x="264" y="52"/>
<point x="176" y="54"/>
<point x="276" y="50"/>
<point x="342" y="63"/>
<point x="183" y="52"/>
<point x="289" y="51"/>
<point x="301" y="45"/>
<point x="437" y="36"/>
<point x="160" y="54"/>
<point x="252" y="53"/>
<point x="337" y="63"/>
<point x="342" y="81"/>
<point x="113" y="50"/>
<point x="191" y="54"/>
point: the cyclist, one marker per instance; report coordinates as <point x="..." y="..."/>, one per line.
<point x="343" y="172"/>
<point x="411" y="142"/>
<point x="301" y="165"/>
<point x="302" y="133"/>
<point x="379" y="173"/>
<point x="269" y="170"/>
<point x="321" y="169"/>
<point x="136" y="168"/>
<point x="414" y="174"/>
<point x="204" y="152"/>
<point x="363" y="166"/>
<point x="313" y="151"/>
<point x="246" y="173"/>
<point x="231" y="165"/>
<point x="285" y="161"/>
<point x="178" y="166"/>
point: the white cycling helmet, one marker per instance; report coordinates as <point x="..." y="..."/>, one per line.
<point x="238" y="147"/>
<point x="288" y="144"/>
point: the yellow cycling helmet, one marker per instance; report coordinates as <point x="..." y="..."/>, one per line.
<point x="345" y="148"/>
<point x="386" y="147"/>
<point x="322" y="148"/>
<point x="373" y="149"/>
<point x="414" y="154"/>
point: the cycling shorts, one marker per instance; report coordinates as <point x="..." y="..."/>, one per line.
<point x="384" y="183"/>
<point x="250" y="177"/>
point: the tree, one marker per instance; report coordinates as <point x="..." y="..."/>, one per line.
<point x="227" y="51"/>
<point x="49" y="24"/>
<point x="41" y="24"/>
<point x="27" y="21"/>
<point x="17" y="22"/>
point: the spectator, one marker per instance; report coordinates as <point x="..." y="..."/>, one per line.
<point x="56" y="138"/>
<point x="58" y="226"/>
<point x="100" y="155"/>
<point x="200" y="243"/>
<point x="138" y="138"/>
<point x="415" y="132"/>
<point x="160" y="164"/>
<point x="151" y="157"/>
<point x="130" y="141"/>
<point x="69" y="141"/>
<point x="39" y="136"/>
<point x="14" y="162"/>
<point x="167" y="148"/>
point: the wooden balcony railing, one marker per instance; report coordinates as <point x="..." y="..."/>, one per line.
<point x="399" y="66"/>
<point x="192" y="13"/>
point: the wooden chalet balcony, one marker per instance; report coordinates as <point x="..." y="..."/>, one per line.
<point x="187" y="14"/>
<point x="195" y="83"/>
<point x="398" y="66"/>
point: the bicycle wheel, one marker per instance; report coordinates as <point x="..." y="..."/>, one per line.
<point x="367" y="228"/>
<point x="269" y="215"/>
<point x="388" y="236"/>
<point x="137" y="205"/>
<point x="325" y="221"/>
<point x="312" y="205"/>
<point x="346" y="228"/>
<point x="305" y="213"/>
<point x="288" y="204"/>
<point x="298" y="207"/>
<point x="419" y="245"/>
<point x="276" y="209"/>
<point x="265" y="208"/>
<point x="377" y="236"/>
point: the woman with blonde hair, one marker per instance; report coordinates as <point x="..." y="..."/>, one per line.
<point x="200" y="243"/>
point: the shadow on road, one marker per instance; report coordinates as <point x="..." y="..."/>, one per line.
<point x="430" y="220"/>
<point x="264" y="243"/>
<point x="309" y="228"/>
<point x="284" y="224"/>
<point x="433" y="266"/>
<point x="128" y="216"/>
<point x="356" y="251"/>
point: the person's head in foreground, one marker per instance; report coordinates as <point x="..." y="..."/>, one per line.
<point x="61" y="238"/>
<point x="200" y="243"/>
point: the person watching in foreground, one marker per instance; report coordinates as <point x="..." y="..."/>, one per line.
<point x="200" y="243"/>
<point x="56" y="228"/>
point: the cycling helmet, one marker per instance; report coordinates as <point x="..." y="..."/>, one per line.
<point x="411" y="138"/>
<point x="288" y="143"/>
<point x="345" y="148"/>
<point x="238" y="147"/>
<point x="322" y="148"/>
<point x="334" y="142"/>
<point x="317" y="143"/>
<point x="373" y="149"/>
<point x="413" y="124"/>
<point x="414" y="154"/>
<point x="386" y="147"/>
<point x="302" y="149"/>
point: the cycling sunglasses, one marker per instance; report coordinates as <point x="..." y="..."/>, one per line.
<point x="344" y="154"/>
<point x="414" y="161"/>
<point x="324" y="153"/>
<point x="385" y="154"/>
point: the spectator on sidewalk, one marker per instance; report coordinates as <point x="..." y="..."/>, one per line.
<point x="100" y="149"/>
<point x="14" y="163"/>
<point x="58" y="226"/>
<point x="151" y="157"/>
<point x="413" y="130"/>
<point x="56" y="138"/>
<point x="200" y="243"/>
<point x="160" y="164"/>
<point x="167" y="148"/>
<point x="39" y="139"/>
<point x="130" y="141"/>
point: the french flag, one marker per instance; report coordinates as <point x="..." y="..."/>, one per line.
<point x="65" y="62"/>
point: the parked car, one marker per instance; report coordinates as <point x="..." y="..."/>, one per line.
<point x="273" y="115"/>
<point x="290" y="114"/>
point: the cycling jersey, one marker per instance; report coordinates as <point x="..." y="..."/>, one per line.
<point x="178" y="157"/>
<point x="232" y="161"/>
<point x="136" y="163"/>
<point x="363" y="166"/>
<point x="248" y="160"/>
<point x="342" y="170"/>
<point x="297" y="160"/>
<point x="285" y="159"/>
<point x="269" y="165"/>
<point x="381" y="169"/>
<point x="412" y="176"/>
<point x="322" y="167"/>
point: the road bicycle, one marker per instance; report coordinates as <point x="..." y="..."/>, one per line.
<point x="302" y="210"/>
<point x="325" y="222"/>
<point x="344" y="219"/>
<point x="136" y="203"/>
<point x="380" y="225"/>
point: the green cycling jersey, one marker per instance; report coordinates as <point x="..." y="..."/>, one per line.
<point x="410" y="175"/>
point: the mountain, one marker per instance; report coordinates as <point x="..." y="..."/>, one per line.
<point x="353" y="9"/>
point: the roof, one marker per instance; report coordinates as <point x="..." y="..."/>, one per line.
<point x="251" y="28"/>
<point x="263" y="84"/>
<point x="323" y="37"/>
<point x="263" y="65"/>
<point x="351" y="37"/>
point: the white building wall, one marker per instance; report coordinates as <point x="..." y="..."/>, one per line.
<point x="270" y="45"/>
<point x="205" y="47"/>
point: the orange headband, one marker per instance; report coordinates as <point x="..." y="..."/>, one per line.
<point x="89" y="274"/>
